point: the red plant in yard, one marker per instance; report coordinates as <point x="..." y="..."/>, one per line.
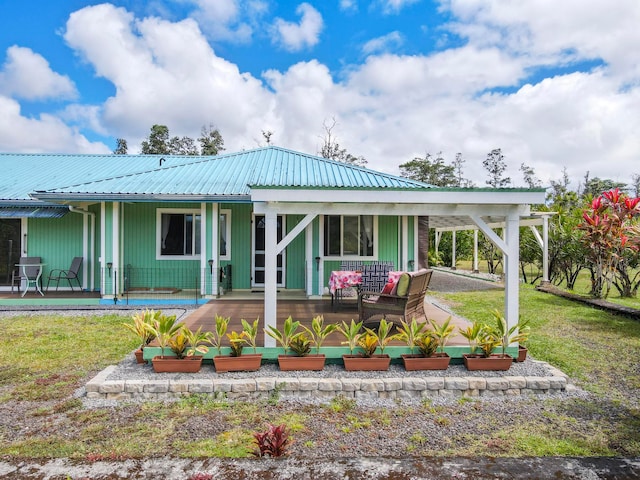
<point x="272" y="442"/>
<point x="612" y="237"/>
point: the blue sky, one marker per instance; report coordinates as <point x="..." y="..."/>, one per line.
<point x="553" y="84"/>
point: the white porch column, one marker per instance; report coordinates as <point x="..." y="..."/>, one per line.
<point x="512" y="281"/>
<point x="115" y="249"/>
<point x="215" y="250"/>
<point x="453" y="250"/>
<point x="311" y="264"/>
<point x="545" y="248"/>
<point x="475" y="251"/>
<point x="270" y="274"/>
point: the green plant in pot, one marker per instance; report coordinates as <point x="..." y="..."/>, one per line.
<point x="319" y="332"/>
<point x="290" y="339"/>
<point x="220" y="330"/>
<point x="415" y="334"/>
<point x="351" y="333"/>
<point x="487" y="339"/>
<point x="141" y="321"/>
<point x="369" y="342"/>
<point x="182" y="341"/>
<point x="237" y="361"/>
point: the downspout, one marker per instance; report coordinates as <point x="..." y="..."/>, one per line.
<point x="90" y="251"/>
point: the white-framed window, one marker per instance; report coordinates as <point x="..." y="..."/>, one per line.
<point x="350" y="236"/>
<point x="177" y="234"/>
<point x="224" y="230"/>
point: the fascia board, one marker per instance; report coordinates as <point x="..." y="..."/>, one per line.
<point x="430" y="196"/>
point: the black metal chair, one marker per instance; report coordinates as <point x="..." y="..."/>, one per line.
<point x="68" y="275"/>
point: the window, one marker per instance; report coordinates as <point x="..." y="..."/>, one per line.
<point x="349" y="235"/>
<point x="178" y="234"/>
<point x="224" y="229"/>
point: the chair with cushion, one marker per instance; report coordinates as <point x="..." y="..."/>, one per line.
<point x="404" y="302"/>
<point x="24" y="275"/>
<point x="375" y="276"/>
<point x="68" y="275"/>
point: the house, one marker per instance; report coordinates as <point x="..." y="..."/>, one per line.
<point x="282" y="220"/>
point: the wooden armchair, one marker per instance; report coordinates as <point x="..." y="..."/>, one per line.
<point x="406" y="302"/>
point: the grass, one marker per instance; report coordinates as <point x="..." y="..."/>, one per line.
<point x="43" y="359"/>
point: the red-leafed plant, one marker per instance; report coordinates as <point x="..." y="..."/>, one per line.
<point x="273" y="442"/>
<point x="612" y="238"/>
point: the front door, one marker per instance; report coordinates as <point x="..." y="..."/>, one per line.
<point x="9" y="248"/>
<point x="257" y="277"/>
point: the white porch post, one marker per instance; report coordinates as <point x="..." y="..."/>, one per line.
<point x="215" y="249"/>
<point x="453" y="250"/>
<point x="545" y="248"/>
<point x="475" y="251"/>
<point x="311" y="264"/>
<point x="270" y="274"/>
<point x="115" y="250"/>
<point x="512" y="281"/>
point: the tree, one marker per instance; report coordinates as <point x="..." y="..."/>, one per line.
<point x="121" y="147"/>
<point x="266" y="134"/>
<point x="612" y="238"/>
<point x="157" y="143"/>
<point x="183" y="146"/>
<point x="495" y="166"/>
<point x="433" y="172"/>
<point x="331" y="148"/>
<point x="529" y="175"/>
<point x="457" y="165"/>
<point x="594" y="187"/>
<point x="561" y="198"/>
<point x="635" y="185"/>
<point x="211" y="142"/>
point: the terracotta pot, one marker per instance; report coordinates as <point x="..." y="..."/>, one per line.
<point x="138" y="353"/>
<point x="438" y="361"/>
<point x="358" y="362"/>
<point x="522" y="354"/>
<point x="244" y="363"/>
<point x="180" y="365"/>
<point x="309" y="362"/>
<point x="494" y="362"/>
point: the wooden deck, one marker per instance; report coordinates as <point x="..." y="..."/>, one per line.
<point x="302" y="310"/>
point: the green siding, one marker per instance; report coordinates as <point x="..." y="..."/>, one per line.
<point x="295" y="256"/>
<point x="56" y="241"/>
<point x="388" y="247"/>
<point x="240" y="244"/>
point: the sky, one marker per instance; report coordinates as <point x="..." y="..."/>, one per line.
<point x="554" y="84"/>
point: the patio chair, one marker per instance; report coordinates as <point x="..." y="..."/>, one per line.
<point x="405" y="302"/>
<point x="68" y="275"/>
<point x="22" y="275"/>
<point x="375" y="276"/>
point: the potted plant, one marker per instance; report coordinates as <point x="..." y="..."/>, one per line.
<point x="488" y="339"/>
<point x="299" y="344"/>
<point x="140" y="327"/>
<point x="368" y="342"/>
<point x="182" y="341"/>
<point x="521" y="337"/>
<point x="236" y="361"/>
<point x="415" y="334"/>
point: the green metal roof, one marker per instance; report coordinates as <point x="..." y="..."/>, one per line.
<point x="23" y="174"/>
<point x="225" y="177"/>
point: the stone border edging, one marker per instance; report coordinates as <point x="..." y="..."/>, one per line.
<point x="262" y="388"/>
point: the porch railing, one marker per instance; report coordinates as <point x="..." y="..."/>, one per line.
<point x="182" y="283"/>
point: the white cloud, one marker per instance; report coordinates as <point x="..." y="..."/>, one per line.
<point x="220" y="20"/>
<point x="349" y="5"/>
<point x="385" y="43"/>
<point x="297" y="36"/>
<point x="46" y="133"/>
<point x="394" y="6"/>
<point x="27" y="75"/>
